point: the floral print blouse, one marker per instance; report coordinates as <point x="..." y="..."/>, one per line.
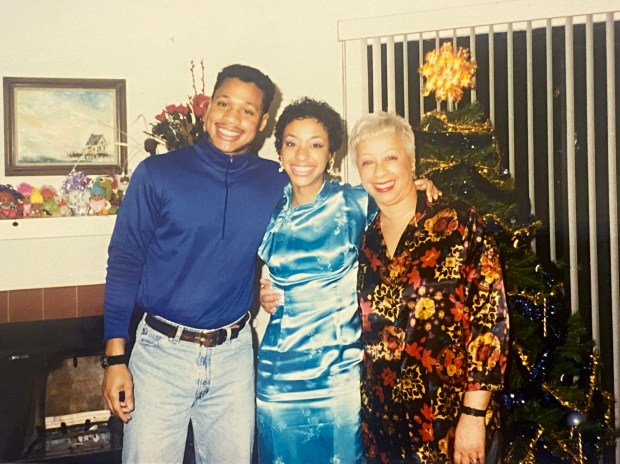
<point x="435" y="325"/>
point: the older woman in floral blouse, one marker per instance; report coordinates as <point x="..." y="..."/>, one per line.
<point x="435" y="323"/>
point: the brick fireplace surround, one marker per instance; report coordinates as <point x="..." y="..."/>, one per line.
<point x="44" y="304"/>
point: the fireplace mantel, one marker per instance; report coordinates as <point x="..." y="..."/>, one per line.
<point x="54" y="252"/>
<point x="56" y="227"/>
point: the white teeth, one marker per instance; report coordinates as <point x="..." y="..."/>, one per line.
<point x="302" y="171"/>
<point x="384" y="185"/>
<point x="228" y="132"/>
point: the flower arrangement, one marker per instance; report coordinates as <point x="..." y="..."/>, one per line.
<point x="180" y="125"/>
<point x="447" y="72"/>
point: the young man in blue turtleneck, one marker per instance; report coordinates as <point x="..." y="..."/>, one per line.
<point x="184" y="251"/>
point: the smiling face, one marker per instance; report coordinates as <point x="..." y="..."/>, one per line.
<point x="385" y="168"/>
<point x="305" y="154"/>
<point x="235" y="116"/>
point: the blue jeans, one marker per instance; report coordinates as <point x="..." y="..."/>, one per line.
<point x="177" y="381"/>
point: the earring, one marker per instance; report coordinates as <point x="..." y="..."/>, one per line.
<point x="280" y="168"/>
<point x="330" y="167"/>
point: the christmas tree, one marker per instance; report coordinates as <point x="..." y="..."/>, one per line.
<point x="554" y="410"/>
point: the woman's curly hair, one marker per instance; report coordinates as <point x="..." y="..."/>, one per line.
<point x="307" y="108"/>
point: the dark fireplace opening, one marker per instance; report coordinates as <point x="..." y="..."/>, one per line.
<point x="50" y="394"/>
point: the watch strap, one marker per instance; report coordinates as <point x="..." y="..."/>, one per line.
<point x="113" y="360"/>
<point x="473" y="411"/>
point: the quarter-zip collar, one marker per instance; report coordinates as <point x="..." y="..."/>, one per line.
<point x="228" y="165"/>
<point x="219" y="160"/>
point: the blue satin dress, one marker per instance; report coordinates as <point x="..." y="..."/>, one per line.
<point x="308" y="378"/>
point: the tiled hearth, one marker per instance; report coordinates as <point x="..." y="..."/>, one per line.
<point x="44" y="304"/>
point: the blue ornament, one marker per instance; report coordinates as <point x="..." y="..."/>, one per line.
<point x="575" y="418"/>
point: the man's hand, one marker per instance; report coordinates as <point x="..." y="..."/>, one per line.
<point x="269" y="298"/>
<point x="117" y="387"/>
<point x="432" y="192"/>
<point x="117" y="391"/>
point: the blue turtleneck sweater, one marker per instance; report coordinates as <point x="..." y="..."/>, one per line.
<point x="186" y="236"/>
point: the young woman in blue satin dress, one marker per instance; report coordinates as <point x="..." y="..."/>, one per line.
<point x="308" y="377"/>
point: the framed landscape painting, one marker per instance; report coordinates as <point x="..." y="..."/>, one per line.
<point x="52" y="126"/>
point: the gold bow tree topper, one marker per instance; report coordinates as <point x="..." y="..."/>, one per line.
<point x="447" y="73"/>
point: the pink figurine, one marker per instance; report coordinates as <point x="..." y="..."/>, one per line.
<point x="26" y="190"/>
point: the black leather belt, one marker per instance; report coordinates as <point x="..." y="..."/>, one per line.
<point x="202" y="337"/>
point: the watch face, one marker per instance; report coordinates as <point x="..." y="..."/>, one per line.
<point x="107" y="361"/>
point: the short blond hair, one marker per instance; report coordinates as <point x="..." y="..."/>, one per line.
<point x="380" y="123"/>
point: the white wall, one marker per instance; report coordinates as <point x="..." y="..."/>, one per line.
<point x="150" y="44"/>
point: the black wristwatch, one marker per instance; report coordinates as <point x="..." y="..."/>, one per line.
<point x="473" y="412"/>
<point x="107" y="361"/>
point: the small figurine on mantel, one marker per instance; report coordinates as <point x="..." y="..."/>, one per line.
<point x="113" y="194"/>
<point x="8" y="202"/>
<point x="63" y="208"/>
<point x="26" y="190"/>
<point x="98" y="204"/>
<point x="36" y="202"/>
<point x="50" y="202"/>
